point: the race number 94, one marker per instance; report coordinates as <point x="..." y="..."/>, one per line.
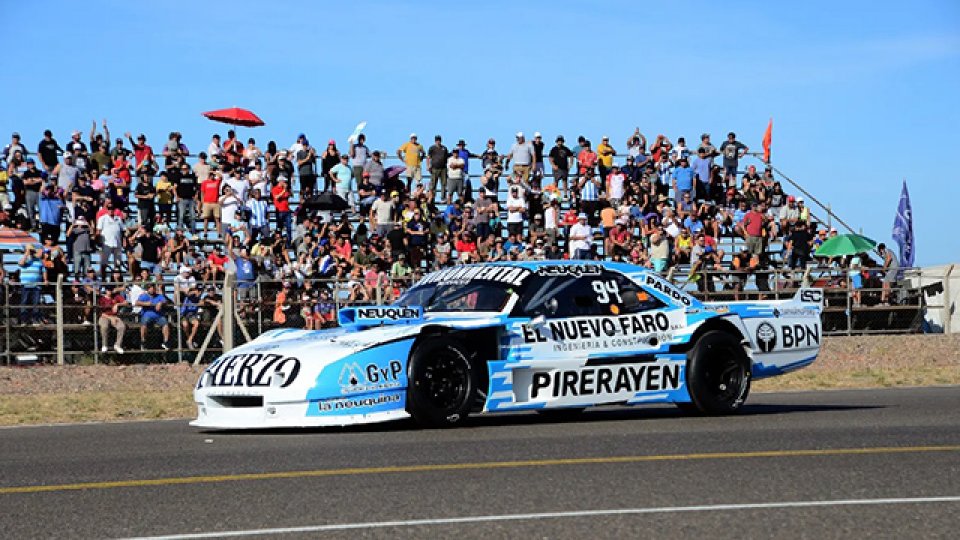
<point x="606" y="290"/>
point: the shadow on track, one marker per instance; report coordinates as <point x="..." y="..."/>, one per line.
<point x="600" y="414"/>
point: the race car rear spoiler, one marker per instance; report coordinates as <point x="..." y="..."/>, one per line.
<point x="807" y="295"/>
<point x="379" y="315"/>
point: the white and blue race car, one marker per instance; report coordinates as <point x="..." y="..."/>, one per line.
<point x="550" y="336"/>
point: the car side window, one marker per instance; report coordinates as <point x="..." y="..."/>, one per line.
<point x="609" y="293"/>
<point x="634" y="299"/>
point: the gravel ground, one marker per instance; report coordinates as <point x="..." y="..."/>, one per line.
<point x="39" y="393"/>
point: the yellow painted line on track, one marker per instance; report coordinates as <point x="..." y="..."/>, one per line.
<point x="441" y="467"/>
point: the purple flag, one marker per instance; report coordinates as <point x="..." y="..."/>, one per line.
<point x="903" y="228"/>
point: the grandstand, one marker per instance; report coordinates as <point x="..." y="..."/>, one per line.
<point x="329" y="229"/>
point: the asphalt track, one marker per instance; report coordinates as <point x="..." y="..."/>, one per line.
<point x="839" y="464"/>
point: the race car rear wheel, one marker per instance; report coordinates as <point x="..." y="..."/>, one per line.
<point x="718" y="373"/>
<point x="443" y="382"/>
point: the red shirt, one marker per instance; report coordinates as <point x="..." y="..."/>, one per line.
<point x="141" y="152"/>
<point x="619" y="236"/>
<point x="281" y="198"/>
<point x="108" y="303"/>
<point x="466" y="247"/>
<point x="217" y="261"/>
<point x="753" y="223"/>
<point x="570" y="217"/>
<point x="210" y="190"/>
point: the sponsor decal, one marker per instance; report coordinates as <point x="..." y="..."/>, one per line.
<point x="601" y="332"/>
<point x="574" y="270"/>
<point x="811" y="295"/>
<point x="511" y="275"/>
<point x="663" y="287"/>
<point x="348" y="403"/>
<point x="372" y="377"/>
<point x="605" y="380"/>
<point x="766" y="337"/>
<point x="250" y="370"/>
<point x="800" y="335"/>
<point x="389" y="313"/>
<point x="795" y="312"/>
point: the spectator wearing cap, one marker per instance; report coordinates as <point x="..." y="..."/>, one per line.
<point x="306" y="157"/>
<point x="683" y="179"/>
<point x="752" y="229"/>
<point x="259" y="224"/>
<point x="803" y="211"/>
<point x="605" y="155"/>
<point x="617" y="242"/>
<point x="464" y="154"/>
<point x="538" y="168"/>
<point x="186" y="191"/>
<point x="146" y="195"/>
<point x="616" y="186"/>
<point x="438" y="155"/>
<point x="709" y="150"/>
<point x="561" y="159"/>
<point x="341" y="176"/>
<point x="417" y="231"/>
<point x="589" y="190"/>
<point x="383" y="212"/>
<point x="732" y="151"/>
<point x="14" y="147"/>
<point x="47" y="149"/>
<point x="281" y="203"/>
<point x="537" y="230"/>
<point x="329" y="159"/>
<point x="586" y="159"/>
<point x="359" y="155"/>
<point x="489" y="154"/>
<point x="210" y="202"/>
<point x="580" y="240"/>
<point x="32" y="183"/>
<point x="374" y="168"/>
<point x="141" y="150"/>
<point x="523" y="157"/>
<point x="516" y="209"/>
<point x="153" y="304"/>
<point x="51" y="214"/>
<point x="233" y="148"/>
<point x="789" y="214"/>
<point x="412" y="154"/>
<point x="891" y="269"/>
<point x="454" y="175"/>
<point x="366" y="195"/>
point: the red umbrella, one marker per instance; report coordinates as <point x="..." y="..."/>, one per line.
<point x="235" y="116"/>
<point x="15" y="239"/>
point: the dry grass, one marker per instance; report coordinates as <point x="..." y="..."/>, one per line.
<point x="55" y="394"/>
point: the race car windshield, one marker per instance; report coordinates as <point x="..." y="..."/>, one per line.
<point x="463" y="297"/>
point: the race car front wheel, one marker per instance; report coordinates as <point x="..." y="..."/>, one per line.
<point x="718" y="374"/>
<point x="442" y="382"/>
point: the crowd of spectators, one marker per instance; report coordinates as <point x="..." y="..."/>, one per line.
<point x="120" y="211"/>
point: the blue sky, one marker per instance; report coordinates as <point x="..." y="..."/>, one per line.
<point x="863" y="94"/>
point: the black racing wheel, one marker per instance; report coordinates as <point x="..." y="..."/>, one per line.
<point x="442" y="383"/>
<point x="718" y="374"/>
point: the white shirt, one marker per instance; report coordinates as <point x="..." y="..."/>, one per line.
<point x="183" y="284"/>
<point x="616" y="182"/>
<point x="213" y="150"/>
<point x="228" y="209"/>
<point x="111" y="228"/>
<point x="239" y="186"/>
<point x="550" y="218"/>
<point x="455" y="167"/>
<point x="515" y="208"/>
<point x="580" y="229"/>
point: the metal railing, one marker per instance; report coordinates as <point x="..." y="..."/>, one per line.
<point x="66" y="323"/>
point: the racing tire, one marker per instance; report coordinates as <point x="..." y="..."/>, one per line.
<point x="718" y="374"/>
<point x="442" y="384"/>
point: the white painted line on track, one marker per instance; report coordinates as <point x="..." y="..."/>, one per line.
<point x="551" y="515"/>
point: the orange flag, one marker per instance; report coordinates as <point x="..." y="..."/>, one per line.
<point x="767" y="137"/>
